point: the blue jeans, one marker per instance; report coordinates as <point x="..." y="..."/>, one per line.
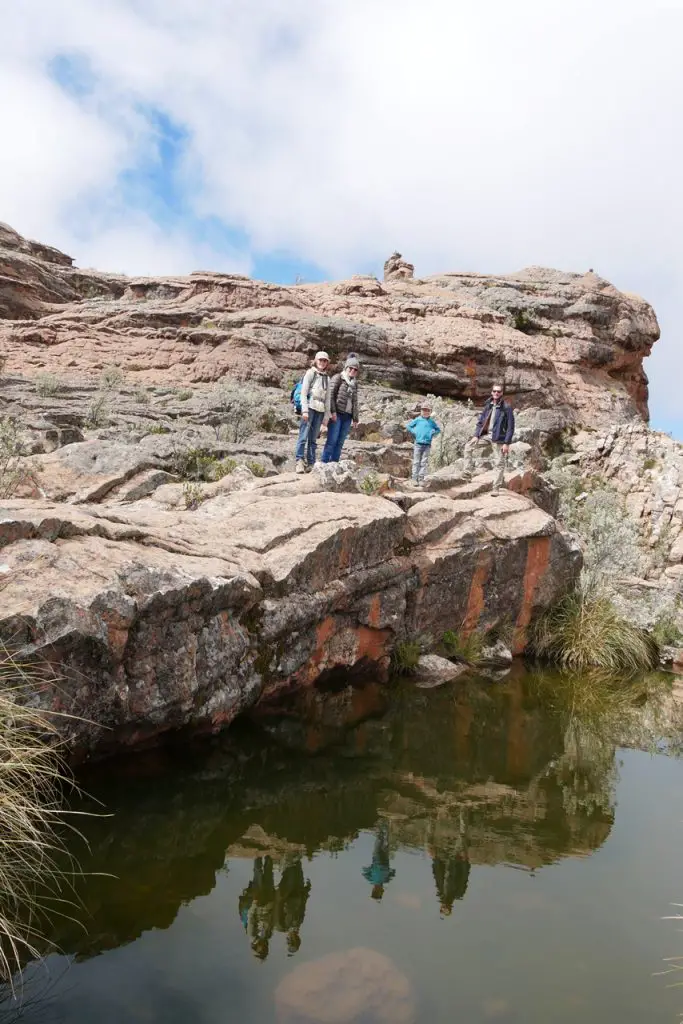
<point x="421" y="454"/>
<point x="308" y="436"/>
<point x="337" y="432"/>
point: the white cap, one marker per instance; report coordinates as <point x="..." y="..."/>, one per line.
<point x="321" y="355"/>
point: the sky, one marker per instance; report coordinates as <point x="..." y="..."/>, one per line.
<point x="309" y="139"/>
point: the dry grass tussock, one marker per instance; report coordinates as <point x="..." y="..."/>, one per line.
<point x="585" y="632"/>
<point x="34" y="884"/>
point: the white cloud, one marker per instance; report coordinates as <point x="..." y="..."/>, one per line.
<point x="472" y="136"/>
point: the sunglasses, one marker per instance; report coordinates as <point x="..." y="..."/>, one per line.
<point x="352" y="369"/>
<point x="497" y="391"/>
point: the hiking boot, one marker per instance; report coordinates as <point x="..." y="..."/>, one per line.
<point x="300" y="466"/>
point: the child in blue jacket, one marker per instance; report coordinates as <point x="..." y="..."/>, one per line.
<point x="423" y="428"/>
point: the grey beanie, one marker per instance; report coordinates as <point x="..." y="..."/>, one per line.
<point x="352" y="360"/>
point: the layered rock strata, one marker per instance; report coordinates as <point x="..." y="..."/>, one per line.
<point x="568" y="342"/>
<point x="154" y="619"/>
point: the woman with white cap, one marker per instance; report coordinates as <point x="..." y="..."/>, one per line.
<point x="344" y="403"/>
<point x="315" y="410"/>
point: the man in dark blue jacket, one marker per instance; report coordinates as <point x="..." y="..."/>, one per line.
<point x="495" y="427"/>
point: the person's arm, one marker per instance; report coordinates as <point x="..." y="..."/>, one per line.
<point x="328" y="415"/>
<point x="354" y="411"/>
<point x="335" y="384"/>
<point x="510" y="432"/>
<point x="411" y="426"/>
<point x="305" y="389"/>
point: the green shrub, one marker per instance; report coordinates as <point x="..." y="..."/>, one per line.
<point x="666" y="631"/>
<point x="183" y="396"/>
<point x="257" y="468"/>
<point x="142" y="396"/>
<point x="584" y="631"/>
<point x="523" y="322"/>
<point x="405" y="656"/>
<point x="239" y="408"/>
<point x="159" y="428"/>
<point x="650" y="463"/>
<point x="194" y="463"/>
<point x="48" y="384"/>
<point x="465" y="647"/>
<point x="224" y="468"/>
<point x="371" y="483"/>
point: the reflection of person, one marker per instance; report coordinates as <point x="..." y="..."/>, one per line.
<point x="257" y="907"/>
<point x="380" y="872"/>
<point x="451" y="874"/>
<point x="290" y="903"/>
<point x="452" y="869"/>
<point x="263" y="908"/>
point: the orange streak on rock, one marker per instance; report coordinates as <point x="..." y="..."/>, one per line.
<point x="537" y="559"/>
<point x="475" y="600"/>
<point x="375" y="612"/>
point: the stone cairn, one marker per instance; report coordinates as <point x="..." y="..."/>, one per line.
<point x="397" y="268"/>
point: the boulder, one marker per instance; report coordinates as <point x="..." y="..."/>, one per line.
<point x="433" y="671"/>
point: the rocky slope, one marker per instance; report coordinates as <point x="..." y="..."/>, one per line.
<point x="568" y="342"/>
<point x="160" y="558"/>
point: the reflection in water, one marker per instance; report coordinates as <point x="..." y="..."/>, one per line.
<point x="466" y="776"/>
<point x="263" y="907"/>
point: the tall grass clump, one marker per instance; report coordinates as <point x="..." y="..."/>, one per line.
<point x="584" y="631"/>
<point x="32" y="777"/>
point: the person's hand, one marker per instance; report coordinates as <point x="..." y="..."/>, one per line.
<point x="355" y="423"/>
<point x="333" y="417"/>
<point x="304" y="417"/>
<point x="506" y="449"/>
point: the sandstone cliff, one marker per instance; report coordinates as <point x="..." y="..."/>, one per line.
<point x="569" y="342"/>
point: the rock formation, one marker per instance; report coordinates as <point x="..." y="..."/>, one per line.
<point x="570" y="343"/>
<point x="156" y="618"/>
<point x="161" y="596"/>
<point x="396" y="268"/>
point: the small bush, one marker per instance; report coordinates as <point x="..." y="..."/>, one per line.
<point x="584" y="631"/>
<point x="13" y="450"/>
<point x="184" y="395"/>
<point x="257" y="468"/>
<point x="465" y="647"/>
<point x="371" y="483"/>
<point x="650" y="463"/>
<point x="405" y="656"/>
<point x="208" y="325"/>
<point x="666" y="631"/>
<point x="194" y="463"/>
<point x="141" y="395"/>
<point x="111" y="378"/>
<point x="48" y="384"/>
<point x="523" y="322"/>
<point x="3" y="362"/>
<point x="193" y="495"/>
<point x="98" y="412"/>
<point x="159" y="428"/>
<point x="240" y="409"/>
<point x="224" y="468"/>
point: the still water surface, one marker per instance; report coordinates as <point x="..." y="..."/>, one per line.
<point x="466" y="854"/>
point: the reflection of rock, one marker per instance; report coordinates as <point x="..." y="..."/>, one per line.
<point x="358" y="986"/>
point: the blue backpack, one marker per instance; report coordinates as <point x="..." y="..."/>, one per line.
<point x="295" y="397"/>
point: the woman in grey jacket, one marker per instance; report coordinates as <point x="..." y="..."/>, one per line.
<point x="344" y="404"/>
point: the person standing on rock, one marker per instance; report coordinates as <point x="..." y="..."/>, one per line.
<point x="344" y="404"/>
<point x="315" y="410"/>
<point x="495" y="428"/>
<point x="424" y="429"/>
